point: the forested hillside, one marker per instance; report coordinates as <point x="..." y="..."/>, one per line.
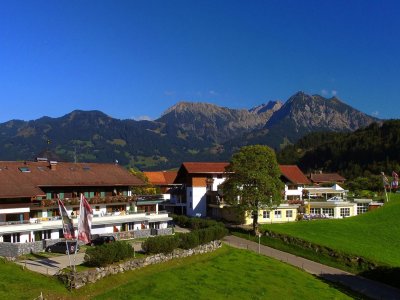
<point x="364" y="152"/>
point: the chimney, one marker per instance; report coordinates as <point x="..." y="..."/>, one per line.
<point x="53" y="165"/>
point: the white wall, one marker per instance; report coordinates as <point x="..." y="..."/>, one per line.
<point x="298" y="192"/>
<point x="196" y="201"/>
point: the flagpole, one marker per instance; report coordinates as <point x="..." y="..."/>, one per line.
<point x="387" y="200"/>
<point x="77" y="236"/>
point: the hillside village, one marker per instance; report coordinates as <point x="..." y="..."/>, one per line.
<point x="31" y="219"/>
<point x="199" y="150"/>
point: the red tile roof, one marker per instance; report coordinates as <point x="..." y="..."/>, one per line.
<point x="294" y="174"/>
<point x="205" y="167"/>
<point x="326" y="177"/>
<point x="161" y="177"/>
<point x="15" y="183"/>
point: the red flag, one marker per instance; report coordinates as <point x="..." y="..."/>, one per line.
<point x="395" y="182"/>
<point x="85" y="220"/>
<point x="68" y="226"/>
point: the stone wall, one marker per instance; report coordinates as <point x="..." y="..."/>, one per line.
<point x="358" y="262"/>
<point x="143" y="233"/>
<point x="80" y="279"/>
<point x="163" y="231"/>
<point x="12" y="250"/>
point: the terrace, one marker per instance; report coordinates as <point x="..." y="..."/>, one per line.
<point x="55" y="222"/>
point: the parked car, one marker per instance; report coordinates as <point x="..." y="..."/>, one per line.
<point x="61" y="247"/>
<point x="102" y="239"/>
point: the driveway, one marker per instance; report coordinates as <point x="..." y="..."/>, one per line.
<point x="50" y="266"/>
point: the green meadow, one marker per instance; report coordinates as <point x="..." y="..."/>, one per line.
<point x="227" y="273"/>
<point x="373" y="235"/>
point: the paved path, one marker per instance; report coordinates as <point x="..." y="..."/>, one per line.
<point x="50" y="266"/>
<point x="367" y="287"/>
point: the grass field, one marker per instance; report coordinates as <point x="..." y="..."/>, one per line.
<point x="16" y="283"/>
<point x="225" y="273"/>
<point x="374" y="235"/>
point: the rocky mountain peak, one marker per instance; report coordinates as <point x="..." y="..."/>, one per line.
<point x="308" y="113"/>
<point x="270" y="106"/>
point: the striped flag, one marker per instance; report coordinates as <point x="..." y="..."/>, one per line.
<point x="395" y="182"/>
<point x="85" y="221"/>
<point x="68" y="226"/>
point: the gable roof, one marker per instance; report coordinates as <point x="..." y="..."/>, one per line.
<point x="294" y="174"/>
<point x="205" y="167"/>
<point x="161" y="177"/>
<point x="326" y="177"/>
<point x="25" y="179"/>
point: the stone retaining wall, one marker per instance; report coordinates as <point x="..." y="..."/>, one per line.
<point x="80" y="279"/>
<point x="12" y="250"/>
<point x="358" y="262"/>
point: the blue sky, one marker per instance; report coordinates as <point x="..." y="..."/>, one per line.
<point x="134" y="59"/>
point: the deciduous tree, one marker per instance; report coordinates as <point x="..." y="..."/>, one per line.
<point x="253" y="181"/>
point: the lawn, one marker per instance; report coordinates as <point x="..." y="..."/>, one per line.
<point x="225" y="273"/>
<point x="16" y="283"/>
<point x="374" y="235"/>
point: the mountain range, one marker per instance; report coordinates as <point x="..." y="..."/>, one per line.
<point x="185" y="132"/>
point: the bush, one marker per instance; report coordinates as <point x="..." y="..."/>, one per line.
<point x="189" y="240"/>
<point x="204" y="231"/>
<point x="194" y="223"/>
<point x="161" y="244"/>
<point x="106" y="254"/>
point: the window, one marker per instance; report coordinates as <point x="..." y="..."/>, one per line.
<point x="289" y="213"/>
<point x="345" y="212"/>
<point x="314" y="210"/>
<point x="292" y="187"/>
<point x="328" y="212"/>
<point x="24" y="169"/>
<point x="266" y="214"/>
<point x="362" y="208"/>
<point x="278" y="214"/>
<point x="46" y="234"/>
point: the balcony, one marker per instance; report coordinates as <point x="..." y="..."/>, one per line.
<point x="35" y="224"/>
<point x="52" y="203"/>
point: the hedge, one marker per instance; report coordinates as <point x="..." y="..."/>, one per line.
<point x="161" y="244"/>
<point x="167" y="243"/>
<point x="100" y="256"/>
<point x="194" y="223"/>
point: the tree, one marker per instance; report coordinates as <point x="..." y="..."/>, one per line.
<point x="253" y="181"/>
<point x="147" y="188"/>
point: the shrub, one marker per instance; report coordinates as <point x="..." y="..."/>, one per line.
<point x="189" y="240"/>
<point x="106" y="254"/>
<point x="194" y="223"/>
<point x="204" y="231"/>
<point x="161" y="244"/>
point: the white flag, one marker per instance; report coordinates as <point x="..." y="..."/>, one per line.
<point x="85" y="220"/>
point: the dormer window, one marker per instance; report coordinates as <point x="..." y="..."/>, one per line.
<point x="24" y="169"/>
